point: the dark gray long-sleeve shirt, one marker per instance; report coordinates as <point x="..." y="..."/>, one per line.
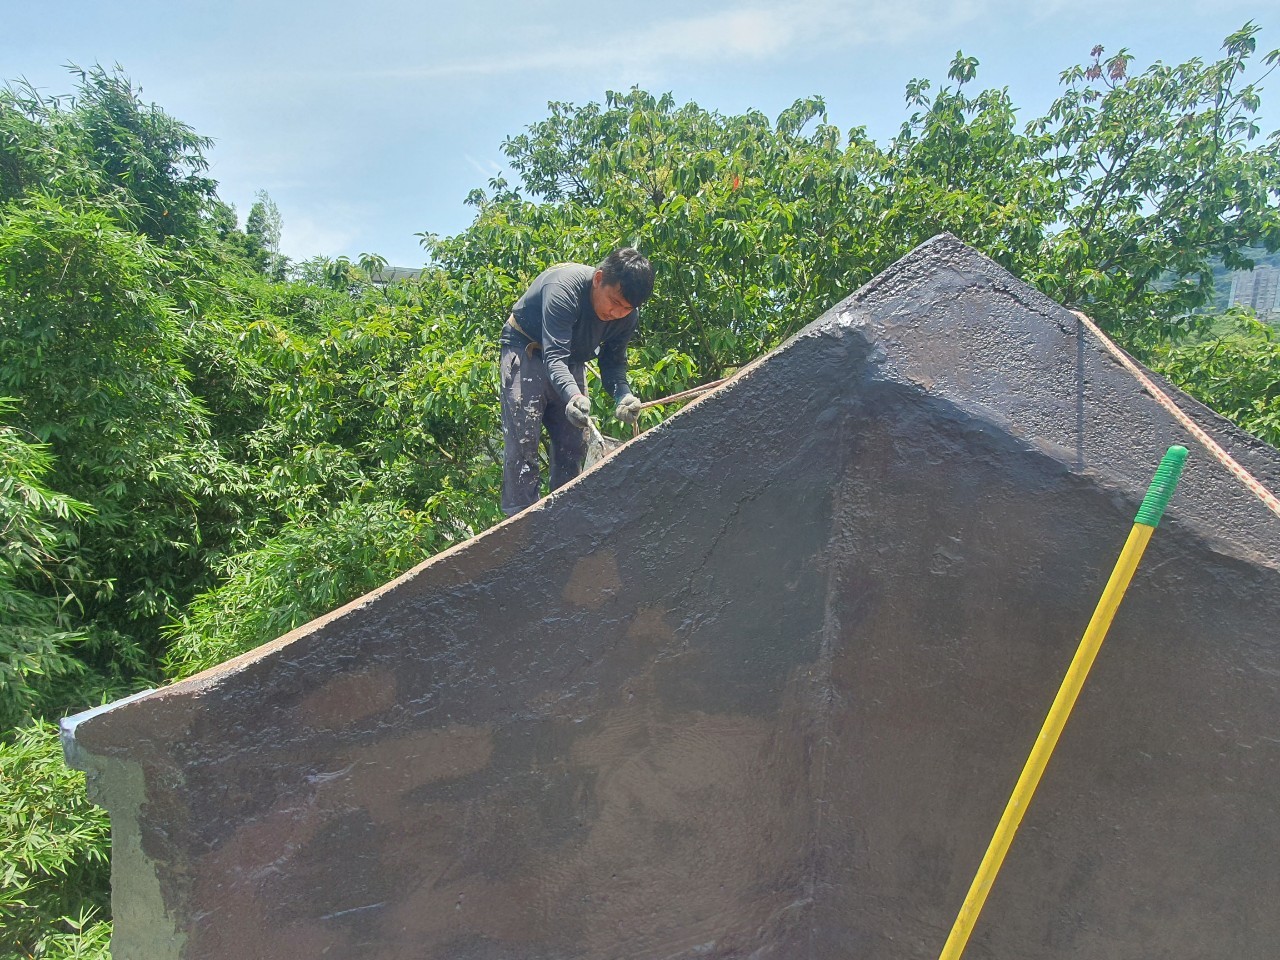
<point x="556" y="311"/>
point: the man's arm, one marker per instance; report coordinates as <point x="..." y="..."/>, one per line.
<point x="559" y="311"/>
<point x="613" y="356"/>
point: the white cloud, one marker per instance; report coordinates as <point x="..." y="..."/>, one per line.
<point x="745" y="33"/>
<point x="736" y="33"/>
<point x="304" y="237"/>
<point x="486" y="169"/>
<point x="832" y="24"/>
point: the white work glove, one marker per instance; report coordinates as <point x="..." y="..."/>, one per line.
<point x="628" y="410"/>
<point x="578" y="410"/>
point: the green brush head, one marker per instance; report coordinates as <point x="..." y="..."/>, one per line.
<point x="1161" y="488"/>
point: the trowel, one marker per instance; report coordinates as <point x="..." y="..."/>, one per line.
<point x="598" y="445"/>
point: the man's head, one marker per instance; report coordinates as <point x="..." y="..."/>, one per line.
<point x="623" y="282"/>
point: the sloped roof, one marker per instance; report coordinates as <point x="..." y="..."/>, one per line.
<point x="759" y="685"/>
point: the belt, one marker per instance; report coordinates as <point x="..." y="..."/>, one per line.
<point x="534" y="346"/>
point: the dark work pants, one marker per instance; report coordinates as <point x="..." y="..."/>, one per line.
<point x="529" y="401"/>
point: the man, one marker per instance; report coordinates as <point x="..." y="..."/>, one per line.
<point x="569" y="314"/>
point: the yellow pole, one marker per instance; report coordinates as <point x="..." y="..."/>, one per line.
<point x="1144" y="526"/>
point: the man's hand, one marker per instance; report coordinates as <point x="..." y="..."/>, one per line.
<point x="628" y="410"/>
<point x="578" y="410"/>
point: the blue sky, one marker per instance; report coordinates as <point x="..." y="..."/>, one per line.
<point x="369" y="122"/>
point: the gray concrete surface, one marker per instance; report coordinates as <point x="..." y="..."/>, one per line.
<point x="772" y="705"/>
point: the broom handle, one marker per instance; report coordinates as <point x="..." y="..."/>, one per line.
<point x="1144" y="524"/>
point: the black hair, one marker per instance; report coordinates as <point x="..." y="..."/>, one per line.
<point x="631" y="270"/>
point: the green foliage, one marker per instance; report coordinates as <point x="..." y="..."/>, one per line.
<point x="106" y="145"/>
<point x="1235" y="369"/>
<point x="82" y="937"/>
<point x="37" y="577"/>
<point x="92" y="343"/>
<point x="756" y="227"/>
<point x="384" y="399"/>
<point x="1156" y="178"/>
<point x="959" y="164"/>
<point x="262" y="227"/>
<point x="54" y="863"/>
<point x="376" y="440"/>
<point x="751" y="224"/>
<point x="312" y="566"/>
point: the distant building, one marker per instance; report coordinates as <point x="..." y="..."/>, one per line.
<point x="389" y="275"/>
<point x="1258" y="289"/>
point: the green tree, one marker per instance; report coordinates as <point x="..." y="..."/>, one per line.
<point x="1156" y="179"/>
<point x="54" y="853"/>
<point x="1118" y="201"/>
<point x="92" y="345"/>
<point x="313" y="565"/>
<point x="1233" y="366"/>
<point x="960" y="164"/>
<point x="752" y="224"/>
<point x="38" y="581"/>
<point x="105" y="145"/>
<point x="263" y="226"/>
